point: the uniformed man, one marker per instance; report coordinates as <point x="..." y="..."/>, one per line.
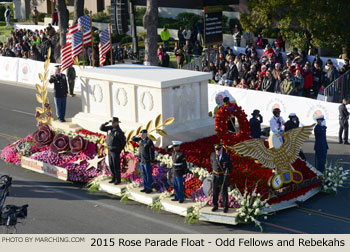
<point x="343" y="122"/>
<point x="276" y="129"/>
<point x="71" y="80"/>
<point x="115" y="143"/>
<point x="232" y="120"/>
<point x="321" y="145"/>
<point x="179" y="169"/>
<point x="293" y="123"/>
<point x="146" y="157"/>
<point x="61" y="90"/>
<point x="222" y="166"/>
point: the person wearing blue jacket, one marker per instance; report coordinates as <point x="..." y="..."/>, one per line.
<point x="321" y="145"/>
<point x="255" y="124"/>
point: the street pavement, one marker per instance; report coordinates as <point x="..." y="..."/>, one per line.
<point x="63" y="207"/>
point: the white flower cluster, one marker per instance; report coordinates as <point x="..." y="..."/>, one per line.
<point x="193" y="213"/>
<point x="312" y="168"/>
<point x="164" y="195"/>
<point x="251" y="206"/>
<point x="200" y="172"/>
<point x="334" y="177"/>
<point x="131" y="186"/>
<point x="165" y="160"/>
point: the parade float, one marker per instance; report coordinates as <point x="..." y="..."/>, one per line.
<point x="262" y="181"/>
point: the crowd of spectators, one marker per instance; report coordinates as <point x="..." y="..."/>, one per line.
<point x="293" y="75"/>
<point x="28" y="44"/>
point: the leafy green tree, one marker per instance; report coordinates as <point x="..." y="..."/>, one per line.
<point x="323" y="23"/>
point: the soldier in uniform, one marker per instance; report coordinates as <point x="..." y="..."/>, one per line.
<point x="61" y="90"/>
<point x="179" y="169"/>
<point x="146" y="157"/>
<point x="222" y="166"/>
<point x="115" y="143"/>
<point x="71" y="80"/>
<point x="321" y="145"/>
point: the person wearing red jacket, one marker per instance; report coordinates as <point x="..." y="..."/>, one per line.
<point x="308" y="81"/>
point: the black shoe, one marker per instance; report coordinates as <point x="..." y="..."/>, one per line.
<point x="111" y="181"/>
<point x="62" y="120"/>
<point x="347" y="143"/>
<point x="149" y="191"/>
<point x="117" y="182"/>
<point x="72" y="95"/>
<point x="214" y="209"/>
<point x="225" y="210"/>
<point x="143" y="190"/>
<point x="181" y="201"/>
<point x="174" y="199"/>
<point x="340" y="142"/>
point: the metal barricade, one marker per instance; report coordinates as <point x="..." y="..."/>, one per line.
<point x="338" y="89"/>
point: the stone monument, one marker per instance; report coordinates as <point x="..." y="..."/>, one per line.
<point x="137" y="94"/>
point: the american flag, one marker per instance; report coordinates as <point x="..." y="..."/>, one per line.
<point x="66" y="57"/>
<point x="84" y="21"/>
<point x="104" y="46"/>
<point x="70" y="32"/>
<point x="76" y="44"/>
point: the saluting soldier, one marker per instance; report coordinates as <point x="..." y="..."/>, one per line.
<point x="179" y="169"/>
<point x="146" y="157"/>
<point x="61" y="90"/>
<point x="222" y="166"/>
<point x="115" y="143"/>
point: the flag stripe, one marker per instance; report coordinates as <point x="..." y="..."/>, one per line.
<point x="66" y="57"/>
<point x="104" y="45"/>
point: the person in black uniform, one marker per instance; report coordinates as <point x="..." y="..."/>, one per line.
<point x="222" y="166"/>
<point x="255" y="124"/>
<point x="293" y="123"/>
<point x="146" y="157"/>
<point x="179" y="169"/>
<point x="321" y="145"/>
<point x="115" y="143"/>
<point x="344" y="122"/>
<point x="61" y="90"/>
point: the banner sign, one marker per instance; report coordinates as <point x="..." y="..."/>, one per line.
<point x="212" y="26"/>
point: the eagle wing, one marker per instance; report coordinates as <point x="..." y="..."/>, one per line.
<point x="255" y="148"/>
<point x="294" y="139"/>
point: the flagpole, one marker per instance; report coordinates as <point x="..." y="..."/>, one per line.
<point x="110" y="40"/>
<point x="82" y="44"/>
<point x="92" y="43"/>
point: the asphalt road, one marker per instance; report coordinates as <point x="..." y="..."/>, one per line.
<point x="63" y="207"/>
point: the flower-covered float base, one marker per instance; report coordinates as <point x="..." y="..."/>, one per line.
<point x="82" y="155"/>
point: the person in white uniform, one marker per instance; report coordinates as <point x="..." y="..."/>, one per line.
<point x="276" y="129"/>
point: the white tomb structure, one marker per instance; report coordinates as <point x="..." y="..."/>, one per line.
<point x="137" y="94"/>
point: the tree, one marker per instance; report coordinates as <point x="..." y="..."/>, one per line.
<point x="323" y="22"/>
<point x="63" y="17"/>
<point x="78" y="10"/>
<point x="150" y="21"/>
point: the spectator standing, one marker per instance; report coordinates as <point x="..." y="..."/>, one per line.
<point x="268" y="83"/>
<point x="236" y="36"/>
<point x="321" y="145"/>
<point x="287" y="85"/>
<point x="345" y="68"/>
<point x="318" y="60"/>
<point x="180" y="58"/>
<point x="277" y="74"/>
<point x="308" y="81"/>
<point x="166" y="59"/>
<point x="331" y="73"/>
<point x="35" y="16"/>
<point x="187" y="34"/>
<point x="165" y="36"/>
<point x="71" y="75"/>
<point x="317" y="74"/>
<point x="255" y="124"/>
<point x="343" y="122"/>
<point x="259" y="41"/>
<point x="188" y="51"/>
<point x="200" y="29"/>
<point x="232" y="70"/>
<point x="7" y="16"/>
<point x="160" y="53"/>
<point x="197" y="49"/>
<point x="279" y="42"/>
<point x="180" y="36"/>
<point x="55" y="17"/>
<point x="221" y="77"/>
<point x="249" y="38"/>
<point x="298" y="83"/>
